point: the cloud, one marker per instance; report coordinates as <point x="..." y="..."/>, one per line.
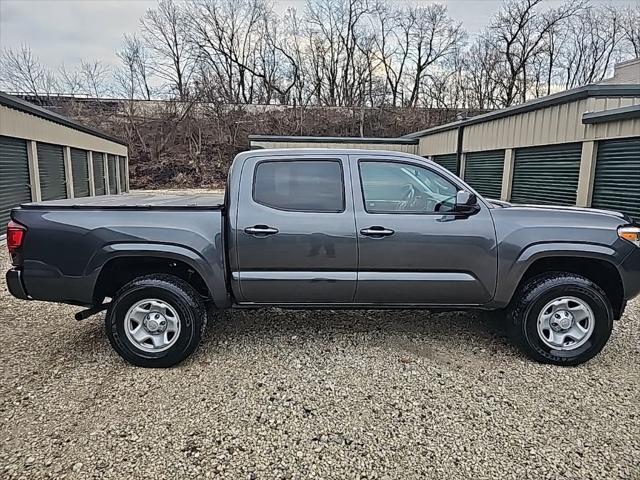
<point x="66" y="31"/>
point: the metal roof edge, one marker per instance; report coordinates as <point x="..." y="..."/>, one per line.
<point x="622" y="113"/>
<point x="595" y="90"/>
<point x="35" y="110"/>
<point x="364" y="140"/>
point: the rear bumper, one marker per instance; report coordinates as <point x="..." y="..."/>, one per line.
<point x="14" y="282"/>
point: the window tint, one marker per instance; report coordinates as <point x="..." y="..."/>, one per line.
<point x="307" y="186"/>
<point x="404" y="188"/>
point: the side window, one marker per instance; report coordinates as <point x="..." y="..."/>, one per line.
<point x="390" y="187"/>
<point x="300" y="186"/>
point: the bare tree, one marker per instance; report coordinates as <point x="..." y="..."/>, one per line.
<point x="227" y="35"/>
<point x="630" y="26"/>
<point x="165" y="31"/>
<point x="95" y="78"/>
<point x="134" y="77"/>
<point x="69" y="81"/>
<point x="518" y="33"/>
<point x="433" y="36"/>
<point x="393" y="41"/>
<point x="589" y="46"/>
<point x="23" y="72"/>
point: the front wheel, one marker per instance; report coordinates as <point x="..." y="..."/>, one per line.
<point x="561" y="318"/>
<point x="156" y="321"/>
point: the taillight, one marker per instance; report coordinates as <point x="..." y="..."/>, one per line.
<point x="15" y="236"/>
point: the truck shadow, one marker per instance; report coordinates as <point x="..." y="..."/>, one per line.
<point x="412" y="332"/>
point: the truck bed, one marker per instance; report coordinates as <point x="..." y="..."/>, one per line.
<point x="132" y="201"/>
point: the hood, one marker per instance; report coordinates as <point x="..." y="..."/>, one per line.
<point x="561" y="208"/>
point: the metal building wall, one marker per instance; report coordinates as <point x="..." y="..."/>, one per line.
<point x="14" y="177"/>
<point x="406" y="148"/>
<point x="42" y="160"/>
<point x="441" y="143"/>
<point x="14" y="123"/>
<point x="551" y="125"/>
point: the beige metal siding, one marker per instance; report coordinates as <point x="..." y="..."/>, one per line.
<point x="551" y="125"/>
<point x="615" y="129"/>
<point x="14" y="123"/>
<point x="366" y="146"/>
<point x="441" y="143"/>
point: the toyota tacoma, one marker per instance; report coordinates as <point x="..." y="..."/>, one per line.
<point x="321" y="228"/>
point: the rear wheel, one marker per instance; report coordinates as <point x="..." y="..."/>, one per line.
<point x="156" y="321"/>
<point x="561" y="318"/>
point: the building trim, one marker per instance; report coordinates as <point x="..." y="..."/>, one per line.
<point x="92" y="180"/>
<point x="624" y="113"/>
<point x="27" y="107"/>
<point x="356" y="140"/>
<point x="507" y="174"/>
<point x="34" y="170"/>
<point x="586" y="179"/>
<point x="68" y="172"/>
<point x="568" y="96"/>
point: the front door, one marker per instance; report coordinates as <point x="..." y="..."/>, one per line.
<point x="295" y="235"/>
<point x="412" y="248"/>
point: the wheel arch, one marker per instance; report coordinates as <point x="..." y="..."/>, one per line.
<point x="117" y="264"/>
<point x="589" y="260"/>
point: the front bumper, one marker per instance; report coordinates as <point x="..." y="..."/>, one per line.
<point x="14" y="282"/>
<point x="630" y="271"/>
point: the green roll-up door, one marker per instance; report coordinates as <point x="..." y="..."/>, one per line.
<point x="483" y="171"/>
<point x="98" y="173"/>
<point x="123" y="173"/>
<point x="80" y="170"/>
<point x="51" y="169"/>
<point x="547" y="175"/>
<point x="14" y="177"/>
<point x="617" y="176"/>
<point x="113" y="181"/>
<point x="450" y="162"/>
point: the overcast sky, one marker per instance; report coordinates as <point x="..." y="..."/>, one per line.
<point x="69" y="30"/>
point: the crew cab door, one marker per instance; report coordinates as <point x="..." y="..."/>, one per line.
<point x="295" y="236"/>
<point x="410" y="249"/>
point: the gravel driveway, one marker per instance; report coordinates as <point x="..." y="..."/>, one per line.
<point x="277" y="394"/>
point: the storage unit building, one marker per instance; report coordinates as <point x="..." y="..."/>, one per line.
<point x="578" y="147"/>
<point x="45" y="156"/>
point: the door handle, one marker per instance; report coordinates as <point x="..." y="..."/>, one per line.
<point x="262" y="230"/>
<point x="376" y="231"/>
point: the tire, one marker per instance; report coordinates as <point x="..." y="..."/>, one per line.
<point x="539" y="298"/>
<point x="174" y="324"/>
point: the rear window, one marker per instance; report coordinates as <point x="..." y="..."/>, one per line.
<point x="301" y="186"/>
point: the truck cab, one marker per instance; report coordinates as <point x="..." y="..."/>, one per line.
<point x="367" y="228"/>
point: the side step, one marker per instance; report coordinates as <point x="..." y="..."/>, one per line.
<point x="84" y="314"/>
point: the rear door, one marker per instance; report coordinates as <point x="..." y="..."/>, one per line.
<point x="410" y="249"/>
<point x="295" y="235"/>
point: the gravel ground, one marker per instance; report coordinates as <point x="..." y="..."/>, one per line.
<point x="277" y="394"/>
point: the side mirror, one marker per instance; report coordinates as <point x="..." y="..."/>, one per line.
<point x="466" y="203"/>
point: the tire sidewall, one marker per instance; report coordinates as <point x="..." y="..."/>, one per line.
<point x="603" y="318"/>
<point x="116" y="326"/>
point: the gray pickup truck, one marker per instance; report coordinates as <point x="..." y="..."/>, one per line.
<point x="323" y="228"/>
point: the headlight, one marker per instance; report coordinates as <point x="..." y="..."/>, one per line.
<point x="631" y="234"/>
